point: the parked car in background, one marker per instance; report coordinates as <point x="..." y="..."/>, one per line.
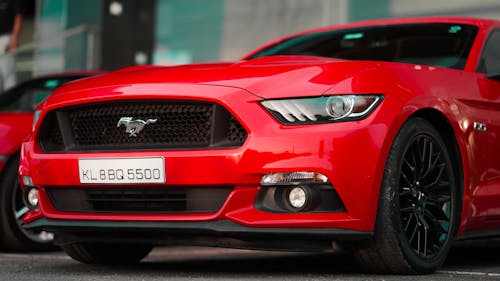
<point x="378" y="137"/>
<point x="16" y="123"/>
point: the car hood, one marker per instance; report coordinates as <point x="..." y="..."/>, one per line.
<point x="269" y="77"/>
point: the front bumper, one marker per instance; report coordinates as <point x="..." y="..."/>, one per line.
<point x="350" y="154"/>
<point x="220" y="233"/>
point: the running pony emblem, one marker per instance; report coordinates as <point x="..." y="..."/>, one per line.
<point x="133" y="127"/>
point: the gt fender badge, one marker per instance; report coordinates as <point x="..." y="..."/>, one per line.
<point x="480" y="127"/>
<point x="134" y="127"/>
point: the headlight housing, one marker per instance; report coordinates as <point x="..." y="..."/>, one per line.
<point x="323" y="109"/>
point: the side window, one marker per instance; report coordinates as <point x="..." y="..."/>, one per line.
<point x="39" y="96"/>
<point x="27" y="96"/>
<point x="490" y="58"/>
<point x="23" y="102"/>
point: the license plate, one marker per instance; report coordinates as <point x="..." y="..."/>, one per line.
<point x="122" y="170"/>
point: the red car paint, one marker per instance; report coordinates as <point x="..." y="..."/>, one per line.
<point x="351" y="154"/>
<point x="15" y="127"/>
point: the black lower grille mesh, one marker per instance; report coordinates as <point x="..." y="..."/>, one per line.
<point x="151" y="124"/>
<point x="139" y="200"/>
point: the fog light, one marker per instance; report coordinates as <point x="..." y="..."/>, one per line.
<point x="297" y="197"/>
<point x="31" y="198"/>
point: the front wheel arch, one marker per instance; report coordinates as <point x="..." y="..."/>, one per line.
<point x="447" y="133"/>
<point x="392" y="249"/>
<point x="442" y="123"/>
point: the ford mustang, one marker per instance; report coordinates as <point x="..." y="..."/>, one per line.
<point x="380" y="138"/>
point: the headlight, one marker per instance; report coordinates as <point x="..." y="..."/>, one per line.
<point x="322" y="109"/>
<point x="36" y="116"/>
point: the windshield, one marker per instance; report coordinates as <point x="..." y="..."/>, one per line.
<point x="437" y="44"/>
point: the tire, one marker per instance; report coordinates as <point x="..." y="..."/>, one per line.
<point x="418" y="206"/>
<point x="12" y="236"/>
<point x="107" y="253"/>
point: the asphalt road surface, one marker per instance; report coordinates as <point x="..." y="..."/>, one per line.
<point x="469" y="261"/>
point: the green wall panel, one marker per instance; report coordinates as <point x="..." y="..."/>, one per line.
<point x="188" y="30"/>
<point x="368" y="9"/>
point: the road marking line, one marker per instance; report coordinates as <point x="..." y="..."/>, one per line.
<point x="490" y="274"/>
<point x="23" y="256"/>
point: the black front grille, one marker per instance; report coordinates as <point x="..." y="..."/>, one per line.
<point x="152" y="199"/>
<point x="152" y="124"/>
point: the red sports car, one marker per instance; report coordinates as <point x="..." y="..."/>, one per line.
<point x="16" y="122"/>
<point x="378" y="137"/>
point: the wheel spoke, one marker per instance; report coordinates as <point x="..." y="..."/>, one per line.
<point x="426" y="148"/>
<point x="424" y="239"/>
<point x="431" y="161"/>
<point x="438" y="177"/>
<point x="415" y="154"/>
<point x="407" y="209"/>
<point x="405" y="192"/>
<point x="438" y="226"/>
<point x="427" y="160"/>
<point x="441" y="199"/>
<point x="408" y="222"/>
<point x="415" y="229"/>
<point x="436" y="210"/>
<point x="404" y="176"/>
<point x="422" y="149"/>
<point x="413" y="167"/>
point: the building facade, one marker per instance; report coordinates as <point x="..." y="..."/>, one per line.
<point x="109" y="34"/>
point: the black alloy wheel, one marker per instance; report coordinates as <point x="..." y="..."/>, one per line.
<point x="418" y="211"/>
<point x="425" y="197"/>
